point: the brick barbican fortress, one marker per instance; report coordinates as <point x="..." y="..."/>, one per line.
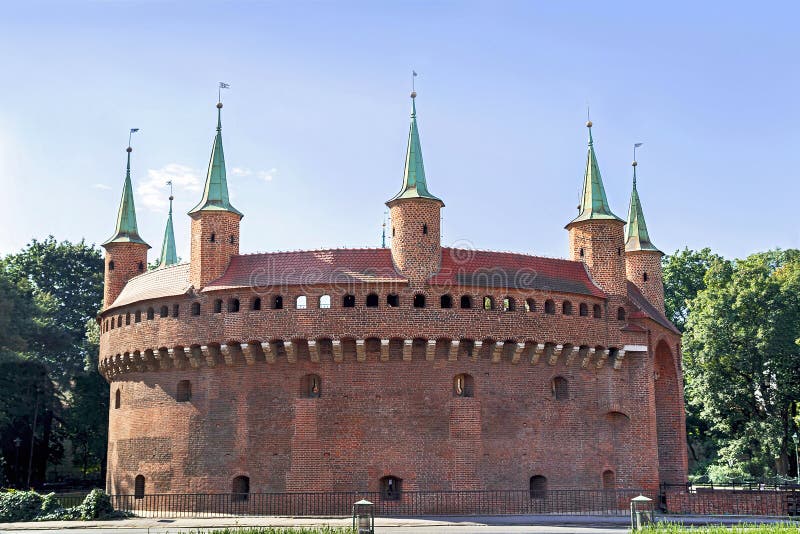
<point x="418" y="367"/>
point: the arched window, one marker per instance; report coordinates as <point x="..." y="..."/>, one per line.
<point x="424" y="229"/>
<point x="538" y="487"/>
<point x="277" y="302"/>
<point x="372" y="300"/>
<point x="117" y="399"/>
<point x="325" y="302"/>
<point x="311" y="386"/>
<point x="446" y="301"/>
<point x="488" y="303"/>
<point x="184" y="393"/>
<point x="392" y="300"/>
<point x="391" y="488"/>
<point x="549" y="307"/>
<point x="241" y="488"/>
<point x="530" y="305"/>
<point x="111" y="265"/>
<point x="256" y="304"/>
<point x="138" y="487"/>
<point x="301" y="302"/>
<point x="582" y="252"/>
<point x="195" y="308"/>
<point x="509" y="304"/>
<point x="164" y="312"/>
<point x="419" y="300"/>
<point x="137" y="317"/>
<point x="218" y="306"/>
<point x="212" y="237"/>
<point x="597" y="311"/>
<point x="233" y="305"/>
<point x="151" y="313"/>
<point x="349" y="301"/>
<point x="127" y="319"/>
<point x="644" y="277"/>
<point x="176" y="310"/>
<point x="560" y="388"/>
<point x="466" y="302"/>
<point x="232" y="239"/>
<point x="463" y="385"/>
<point x="609" y="480"/>
<point x="620" y="314"/>
<point x="566" y="308"/>
<point x="583" y="310"/>
<point x="141" y="267"/>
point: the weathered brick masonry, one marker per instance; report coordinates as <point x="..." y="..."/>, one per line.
<point x="419" y="366"/>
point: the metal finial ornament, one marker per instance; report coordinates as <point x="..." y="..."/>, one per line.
<point x="130" y="134"/>
<point x="222" y="85"/>
<point x="634" y="164"/>
<point x="588" y="118"/>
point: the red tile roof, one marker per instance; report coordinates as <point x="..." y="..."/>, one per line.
<point x="309" y="267"/>
<point x="164" y="282"/>
<point x="509" y="270"/>
<point x="644" y="306"/>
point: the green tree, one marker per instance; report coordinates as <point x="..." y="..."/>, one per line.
<point x="742" y="365"/>
<point x="684" y="274"/>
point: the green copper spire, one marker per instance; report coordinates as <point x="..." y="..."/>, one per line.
<point x="636" y="236"/>
<point x="594" y="204"/>
<point x="414" y="184"/>
<point x="215" y="195"/>
<point x="168" y="254"/>
<point x="126" y="230"/>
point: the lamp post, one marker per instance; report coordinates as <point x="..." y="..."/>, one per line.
<point x="796" y="440"/>
<point x="17" y="443"/>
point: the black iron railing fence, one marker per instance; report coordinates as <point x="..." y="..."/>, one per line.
<point x="410" y="503"/>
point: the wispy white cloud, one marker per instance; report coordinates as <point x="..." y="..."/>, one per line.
<point x="268" y="175"/>
<point x="239" y="171"/>
<point x="153" y="193"/>
<point x="104" y="187"/>
<point x="244" y="172"/>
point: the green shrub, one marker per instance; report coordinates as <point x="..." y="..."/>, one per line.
<point x="19" y="506"/>
<point x="96" y="505"/>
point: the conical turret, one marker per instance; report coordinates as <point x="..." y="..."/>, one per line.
<point x="168" y="253"/>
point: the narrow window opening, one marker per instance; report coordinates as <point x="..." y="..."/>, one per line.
<point x="117" y="399"/>
<point x="218" y="306"/>
<point x="582" y="253"/>
<point x="164" y="311"/>
<point x="620" y="314"/>
<point x="151" y="313"/>
<point x="560" y="388"/>
<point x="644" y="277"/>
<point x="424" y="229"/>
<point x="419" y="300"/>
<point x="241" y="489"/>
<point x="302" y="302"/>
<point x="141" y="266"/>
<point x="184" y="393"/>
<point x="488" y="303"/>
<point x="138" y="487"/>
<point x="256" y="306"/>
<point x="127" y="319"/>
<point x="392" y="231"/>
<point x="311" y="386"/>
<point x="391" y="488"/>
<point x="583" y="310"/>
<point x="550" y="307"/>
<point x="111" y="265"/>
<point x="619" y="251"/>
<point x="176" y="310"/>
<point x="446" y="301"/>
<point x="372" y="300"/>
<point x="530" y="305"/>
<point x="566" y="308"/>
<point x="609" y="480"/>
<point x="325" y="302"/>
<point x="463" y="385"/>
<point x="277" y="303"/>
<point x="466" y="302"/>
<point x="213" y="237"/>
<point x="137" y="317"/>
<point x="232" y="240"/>
<point x="509" y="304"/>
<point x="392" y="300"/>
<point x="538" y="487"/>
<point x="233" y="305"/>
<point x="349" y="301"/>
<point x="195" y="308"/>
<point x="597" y="311"/>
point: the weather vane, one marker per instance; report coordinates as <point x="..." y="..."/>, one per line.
<point x="413" y="79"/>
<point x="222" y="85"/>
<point x="133" y="131"/>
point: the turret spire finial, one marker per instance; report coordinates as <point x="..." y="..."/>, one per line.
<point x="637" y="237"/>
<point x="169" y="255"/>
<point x="126" y="230"/>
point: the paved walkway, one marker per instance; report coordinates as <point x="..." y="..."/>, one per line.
<point x="517" y="524"/>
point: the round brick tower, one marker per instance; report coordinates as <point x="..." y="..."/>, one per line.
<point x="415" y="215"/>
<point x="126" y="252"/>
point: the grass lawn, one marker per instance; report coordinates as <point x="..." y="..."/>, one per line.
<point x="673" y="528"/>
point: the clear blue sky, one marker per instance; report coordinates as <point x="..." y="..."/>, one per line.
<point x="315" y="122"/>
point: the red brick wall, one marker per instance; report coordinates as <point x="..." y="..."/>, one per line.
<point x="726" y="502"/>
<point x="670" y="416"/>
<point x="603" y="245"/>
<point x="649" y="262"/>
<point x="130" y="259"/>
<point x="210" y="259"/>
<point x="416" y="255"/>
